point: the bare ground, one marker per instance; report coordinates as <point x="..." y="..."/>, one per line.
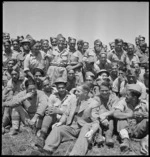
<point x="21" y="144"/>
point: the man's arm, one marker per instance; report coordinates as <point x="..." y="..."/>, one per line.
<point x="122" y="115"/>
<point x="17" y="100"/>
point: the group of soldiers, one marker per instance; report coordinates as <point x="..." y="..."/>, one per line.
<point x="67" y="91"/>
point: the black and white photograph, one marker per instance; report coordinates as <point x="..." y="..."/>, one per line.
<point x="75" y="78"/>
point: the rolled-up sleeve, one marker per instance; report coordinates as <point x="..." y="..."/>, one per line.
<point x="27" y="63"/>
<point x="16" y="100"/>
<point x="42" y="103"/>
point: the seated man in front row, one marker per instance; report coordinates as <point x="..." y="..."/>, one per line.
<point x="132" y="116"/>
<point x="27" y="106"/>
<point x="76" y="124"/>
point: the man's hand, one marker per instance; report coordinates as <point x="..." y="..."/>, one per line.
<point x="28" y="95"/>
<point x="89" y="135"/>
<point x="103" y="116"/>
<point x="52" y="110"/>
<point x="33" y="121"/>
<point x="144" y="145"/>
<point x="56" y="124"/>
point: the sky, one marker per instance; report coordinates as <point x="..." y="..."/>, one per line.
<point x="82" y="20"/>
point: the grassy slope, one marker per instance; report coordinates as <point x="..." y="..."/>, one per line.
<point x="21" y="145"/>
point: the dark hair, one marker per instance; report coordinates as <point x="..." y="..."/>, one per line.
<point x="29" y="82"/>
<point x="7" y="41"/>
<point x="122" y="68"/>
<point x="135" y="93"/>
<point x="86" y="87"/>
<point x="118" y="41"/>
<point x="143" y="45"/>
<point x="15" y="40"/>
<point x="106" y="83"/>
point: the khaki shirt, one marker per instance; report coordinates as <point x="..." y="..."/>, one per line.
<point x="31" y="62"/>
<point x="130" y="61"/>
<point x="63" y="105"/>
<point x="6" y="57"/>
<point x="37" y="104"/>
<point x="59" y="57"/>
<point x="114" y="57"/>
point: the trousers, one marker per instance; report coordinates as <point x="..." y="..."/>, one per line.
<point x="65" y="133"/>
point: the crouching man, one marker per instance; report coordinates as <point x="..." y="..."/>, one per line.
<point x="107" y="99"/>
<point x="58" y="103"/>
<point x="132" y="116"/>
<point x="27" y="106"/>
<point x="77" y="124"/>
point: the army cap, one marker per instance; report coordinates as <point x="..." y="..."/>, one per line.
<point x="60" y="80"/>
<point x="134" y="87"/>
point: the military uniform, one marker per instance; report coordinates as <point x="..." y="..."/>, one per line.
<point x="31" y="61"/>
<point x="57" y="66"/>
<point x="26" y="109"/>
<point x="63" y="105"/>
<point x="78" y="123"/>
<point x="135" y="126"/>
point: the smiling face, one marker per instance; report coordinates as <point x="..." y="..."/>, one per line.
<point x="45" y="45"/>
<point x="61" y="87"/>
<point x="104" y="91"/>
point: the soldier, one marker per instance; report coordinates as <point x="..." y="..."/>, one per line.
<point x="58" y="104"/>
<point x="14" y="86"/>
<point x="117" y="82"/>
<point x="114" y="72"/>
<point x="131" y="57"/>
<point x="132" y="116"/>
<point x="107" y="100"/>
<point x="16" y="45"/>
<point x="132" y="79"/>
<point x="59" y="62"/>
<point x="71" y="80"/>
<point x="8" y="53"/>
<point x="118" y="54"/>
<point x="95" y="52"/>
<point x="34" y="59"/>
<point x="75" y="60"/>
<point x="103" y="62"/>
<point x="53" y="41"/>
<point x="28" y="106"/>
<point x="77" y="123"/>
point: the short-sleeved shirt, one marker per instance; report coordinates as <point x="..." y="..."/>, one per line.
<point x="115" y="58"/>
<point x="75" y="56"/>
<point x="20" y="58"/>
<point x="105" y="105"/>
<point x="107" y="65"/>
<point x="59" y="57"/>
<point x="91" y="53"/>
<point x="130" y="61"/>
<point x="6" y="57"/>
<point x="123" y="89"/>
<point x="37" y="104"/>
<point x="123" y="107"/>
<point x="31" y="61"/>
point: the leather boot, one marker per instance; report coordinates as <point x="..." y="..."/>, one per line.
<point x="125" y="145"/>
<point x="109" y="140"/>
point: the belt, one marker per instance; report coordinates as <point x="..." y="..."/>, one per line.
<point x="58" y="65"/>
